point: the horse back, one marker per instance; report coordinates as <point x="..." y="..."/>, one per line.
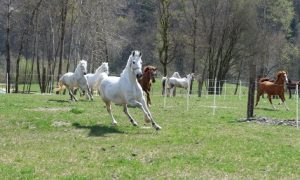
<point x="271" y="88"/>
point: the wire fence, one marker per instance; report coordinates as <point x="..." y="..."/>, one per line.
<point x="211" y="89"/>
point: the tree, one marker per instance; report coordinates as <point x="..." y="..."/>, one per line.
<point x="164" y="55"/>
<point x="9" y="10"/>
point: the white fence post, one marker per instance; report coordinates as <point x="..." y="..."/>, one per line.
<point x="165" y="92"/>
<point x="240" y="91"/>
<point x="207" y="86"/>
<point x="7" y="83"/>
<point x="188" y="97"/>
<point x="297" y="106"/>
<point x="215" y="92"/>
<point x="224" y="89"/>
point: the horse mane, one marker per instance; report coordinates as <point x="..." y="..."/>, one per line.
<point x="102" y="68"/>
<point x="280" y="73"/>
<point x="127" y="67"/>
<point x="82" y="62"/>
<point x="176" y="74"/>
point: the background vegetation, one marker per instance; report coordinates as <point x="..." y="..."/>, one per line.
<point x="213" y="38"/>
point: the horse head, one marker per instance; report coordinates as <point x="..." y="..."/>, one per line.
<point x="282" y="75"/>
<point x="104" y="67"/>
<point x="151" y="72"/>
<point x="82" y="67"/>
<point x="190" y="76"/>
<point x="135" y="63"/>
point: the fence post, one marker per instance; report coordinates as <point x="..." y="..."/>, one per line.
<point x="188" y="96"/>
<point x="240" y="91"/>
<point x="165" y="92"/>
<point x="297" y="106"/>
<point x="224" y="89"/>
<point x="6" y="83"/>
<point x="215" y="92"/>
<point x="207" y="86"/>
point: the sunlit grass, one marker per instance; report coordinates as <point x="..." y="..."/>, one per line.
<point x="49" y="137"/>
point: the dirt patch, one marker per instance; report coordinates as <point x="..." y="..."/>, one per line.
<point x="48" y="109"/>
<point x="270" y="121"/>
<point x="61" y="124"/>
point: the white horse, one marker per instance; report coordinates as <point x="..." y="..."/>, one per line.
<point x="94" y="80"/>
<point x="174" y="82"/>
<point x="165" y="82"/>
<point x="75" y="80"/>
<point x="125" y="90"/>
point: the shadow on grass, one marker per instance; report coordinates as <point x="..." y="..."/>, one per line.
<point x="266" y="109"/>
<point x="59" y="100"/>
<point x="98" y="130"/>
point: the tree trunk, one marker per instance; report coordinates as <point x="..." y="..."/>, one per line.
<point x="7" y="44"/>
<point x="62" y="37"/>
<point x="71" y="40"/>
<point x="238" y="78"/>
<point x="18" y="64"/>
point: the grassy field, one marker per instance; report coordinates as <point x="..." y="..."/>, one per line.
<point x="48" y="137"/>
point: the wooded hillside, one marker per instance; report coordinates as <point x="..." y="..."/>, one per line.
<point x="215" y="39"/>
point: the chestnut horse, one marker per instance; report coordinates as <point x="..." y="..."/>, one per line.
<point x="146" y="81"/>
<point x="273" y="88"/>
<point x="291" y="85"/>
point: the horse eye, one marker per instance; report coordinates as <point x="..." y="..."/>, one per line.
<point x="133" y="62"/>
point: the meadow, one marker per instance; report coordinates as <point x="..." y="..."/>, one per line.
<point x="49" y="137"/>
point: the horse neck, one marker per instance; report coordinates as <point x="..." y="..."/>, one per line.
<point x="147" y="77"/>
<point x="279" y="80"/>
<point x="99" y="70"/>
<point x="128" y="74"/>
<point x="77" y="71"/>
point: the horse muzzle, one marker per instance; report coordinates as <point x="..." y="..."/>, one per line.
<point x="139" y="75"/>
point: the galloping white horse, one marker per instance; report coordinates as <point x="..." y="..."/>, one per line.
<point x="180" y="82"/>
<point x="125" y="90"/>
<point x="75" y="80"/>
<point x="94" y="80"/>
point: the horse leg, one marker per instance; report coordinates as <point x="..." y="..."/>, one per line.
<point x="72" y="94"/>
<point x="270" y="99"/>
<point x="133" y="122"/>
<point x="172" y="91"/>
<point x="108" y="108"/>
<point x="92" y="91"/>
<point x="290" y="93"/>
<point x="143" y="106"/>
<point x="148" y="99"/>
<point x="89" y="96"/>
<point x="281" y="96"/>
<point x="258" y="97"/>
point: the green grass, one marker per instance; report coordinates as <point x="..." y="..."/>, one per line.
<point x="48" y="137"/>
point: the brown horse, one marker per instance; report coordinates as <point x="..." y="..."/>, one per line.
<point x="146" y="81"/>
<point x="273" y="88"/>
<point x="291" y="85"/>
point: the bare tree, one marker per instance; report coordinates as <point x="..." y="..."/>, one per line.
<point x="164" y="54"/>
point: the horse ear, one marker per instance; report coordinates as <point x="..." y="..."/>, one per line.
<point x="133" y="52"/>
<point x="140" y="54"/>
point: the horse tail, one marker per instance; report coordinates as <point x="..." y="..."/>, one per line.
<point x="262" y="80"/>
<point x="164" y="83"/>
<point x="60" y="87"/>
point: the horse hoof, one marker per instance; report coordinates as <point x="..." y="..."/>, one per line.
<point x="114" y="123"/>
<point x="157" y="127"/>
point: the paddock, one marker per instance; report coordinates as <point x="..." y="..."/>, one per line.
<point x="51" y="137"/>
